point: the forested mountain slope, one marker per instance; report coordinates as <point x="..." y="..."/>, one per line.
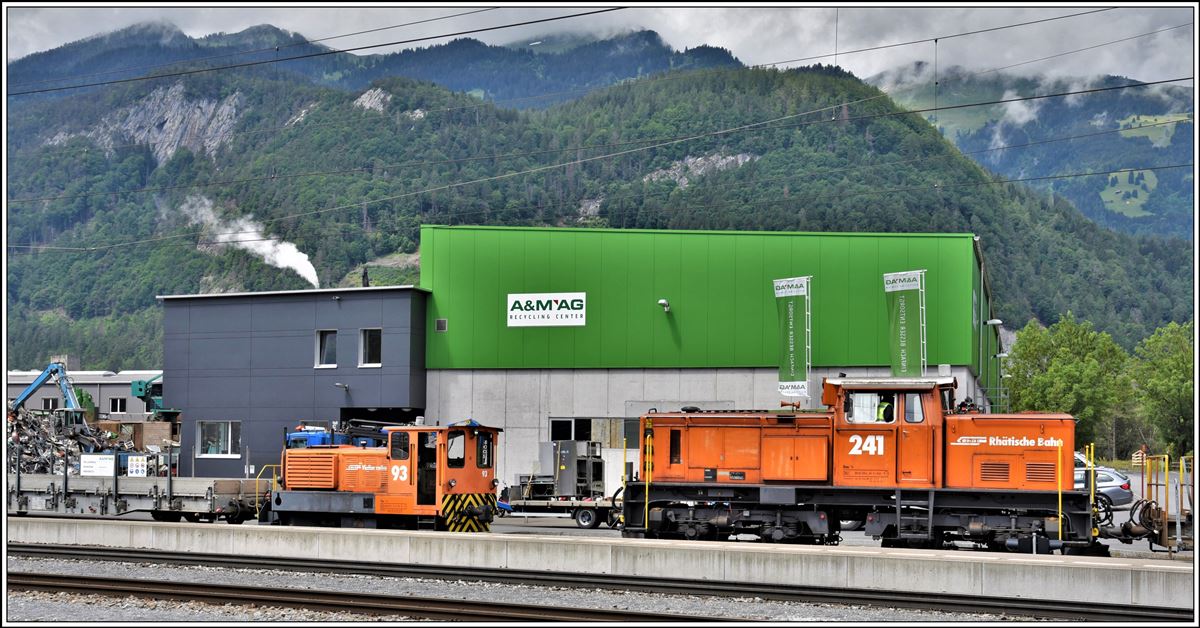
<point x="157" y="177"/>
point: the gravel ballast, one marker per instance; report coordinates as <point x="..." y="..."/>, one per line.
<point x="39" y="606"/>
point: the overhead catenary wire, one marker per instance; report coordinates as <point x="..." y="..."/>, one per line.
<point x="671" y="76"/>
<point x="274" y="177"/>
<point x="247" y="52"/>
<point x="760" y="125"/>
<point x="39" y="248"/>
<point x="311" y="55"/>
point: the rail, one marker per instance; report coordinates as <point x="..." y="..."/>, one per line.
<point x="335" y="601"/>
<point x="1009" y="606"/>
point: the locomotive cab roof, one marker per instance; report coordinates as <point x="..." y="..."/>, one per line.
<point x="891" y="383"/>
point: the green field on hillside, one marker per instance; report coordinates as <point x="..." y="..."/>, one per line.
<point x="1120" y="197"/>
<point x="1159" y="135"/>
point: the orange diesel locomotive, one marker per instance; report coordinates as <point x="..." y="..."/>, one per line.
<point x="889" y="455"/>
<point x="441" y="478"/>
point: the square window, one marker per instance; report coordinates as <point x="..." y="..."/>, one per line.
<point x="221" y="439"/>
<point x="49" y="403"/>
<point x="327" y="347"/>
<point x="116" y="404"/>
<point x="583" y="429"/>
<point x="560" y="429"/>
<point x="441" y="324"/>
<point x="371" y="351"/>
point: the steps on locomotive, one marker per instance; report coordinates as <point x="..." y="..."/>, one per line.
<point x="914" y="525"/>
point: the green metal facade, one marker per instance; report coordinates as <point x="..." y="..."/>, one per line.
<point x="719" y="285"/>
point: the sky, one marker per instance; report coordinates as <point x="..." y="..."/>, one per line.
<point x="763" y="35"/>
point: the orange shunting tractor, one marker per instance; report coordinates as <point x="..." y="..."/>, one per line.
<point x="893" y="456"/>
<point x="424" y="477"/>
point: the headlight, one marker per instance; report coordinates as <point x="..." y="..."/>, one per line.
<point x="453" y="483"/>
<point x="495" y="482"/>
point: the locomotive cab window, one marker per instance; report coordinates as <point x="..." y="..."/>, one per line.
<point x="870" y="408"/>
<point x="676" y="455"/>
<point x="483" y="450"/>
<point x="399" y="446"/>
<point x="913" y="412"/>
<point x="456" y="450"/>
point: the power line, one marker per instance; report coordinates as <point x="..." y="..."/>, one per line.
<point x="314" y="54"/>
<point x="664" y="77"/>
<point x="625" y="152"/>
<point x="247" y="52"/>
<point x="930" y="39"/>
<point x="935" y="186"/>
<point x="272" y="177"/>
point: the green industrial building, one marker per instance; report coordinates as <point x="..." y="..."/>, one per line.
<point x="571" y="334"/>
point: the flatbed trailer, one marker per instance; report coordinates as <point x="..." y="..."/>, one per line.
<point x="587" y="513"/>
<point x="165" y="498"/>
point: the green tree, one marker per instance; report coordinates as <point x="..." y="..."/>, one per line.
<point x="1069" y="367"/>
<point x="1163" y="372"/>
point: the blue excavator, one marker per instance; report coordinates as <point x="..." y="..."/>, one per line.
<point x="71" y="416"/>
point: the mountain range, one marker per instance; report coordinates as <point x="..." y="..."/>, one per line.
<point x="289" y="175"/>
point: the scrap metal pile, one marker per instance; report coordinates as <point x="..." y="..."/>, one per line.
<point x="42" y="443"/>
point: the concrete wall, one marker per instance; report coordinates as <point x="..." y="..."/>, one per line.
<point x="1134" y="582"/>
<point x="252" y="358"/>
<point x="522" y="401"/>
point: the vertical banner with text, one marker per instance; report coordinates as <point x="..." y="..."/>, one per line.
<point x="905" y="294"/>
<point x="795" y="332"/>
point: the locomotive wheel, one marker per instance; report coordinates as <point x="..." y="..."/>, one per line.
<point x="586" y="518"/>
<point x="850" y="524"/>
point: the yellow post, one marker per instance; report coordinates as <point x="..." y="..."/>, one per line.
<point x="1058" y="476"/>
<point x="648" y="470"/>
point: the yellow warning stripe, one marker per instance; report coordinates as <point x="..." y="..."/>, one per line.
<point x="454" y="507"/>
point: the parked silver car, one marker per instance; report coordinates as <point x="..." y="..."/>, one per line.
<point x="1112" y="486"/>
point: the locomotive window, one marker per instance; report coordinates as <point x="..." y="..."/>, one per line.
<point x="675" y="447"/>
<point x="456" y="450"/>
<point x="400" y="446"/>
<point x="483" y="450"/>
<point x="871" y="408"/>
<point x="913" y="412"/>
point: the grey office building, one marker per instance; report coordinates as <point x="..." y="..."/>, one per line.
<point x="247" y="367"/>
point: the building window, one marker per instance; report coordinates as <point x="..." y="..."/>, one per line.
<point x="326" y="348"/>
<point x="116" y="404"/>
<point x="371" y="351"/>
<point x="219" y="439"/>
<point x="50" y="403"/>
<point x="631" y="433"/>
<point x="571" y="429"/>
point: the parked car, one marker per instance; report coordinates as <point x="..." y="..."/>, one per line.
<point x="1112" y="486"/>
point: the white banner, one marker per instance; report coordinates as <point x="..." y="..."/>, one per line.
<point x="96" y="465"/>
<point x="547" y="309"/>
<point x="910" y="280"/>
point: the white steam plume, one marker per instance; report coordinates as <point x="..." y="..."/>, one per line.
<point x="246" y="234"/>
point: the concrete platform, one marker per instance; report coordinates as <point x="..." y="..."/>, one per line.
<point x="1156" y="583"/>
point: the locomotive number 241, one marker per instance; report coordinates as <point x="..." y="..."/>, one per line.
<point x="872" y="445"/>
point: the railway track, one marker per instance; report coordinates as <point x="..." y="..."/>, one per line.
<point x="332" y="601"/>
<point x="1018" y="607"/>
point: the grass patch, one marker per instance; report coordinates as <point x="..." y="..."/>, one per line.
<point x="1120" y="198"/>
<point x="1160" y="136"/>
